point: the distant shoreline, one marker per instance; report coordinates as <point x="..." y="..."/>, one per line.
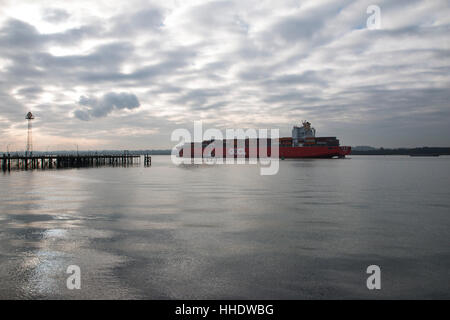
<point x="424" y="151"/>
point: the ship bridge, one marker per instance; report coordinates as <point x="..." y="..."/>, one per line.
<point x="300" y="134"/>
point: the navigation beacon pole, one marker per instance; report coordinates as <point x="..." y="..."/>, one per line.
<point x="29" y="151"/>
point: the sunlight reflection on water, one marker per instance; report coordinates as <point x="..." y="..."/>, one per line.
<point x="227" y="232"/>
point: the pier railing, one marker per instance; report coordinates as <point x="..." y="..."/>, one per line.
<point x="58" y="161"/>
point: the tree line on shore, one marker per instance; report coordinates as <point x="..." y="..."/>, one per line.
<point x="402" y="151"/>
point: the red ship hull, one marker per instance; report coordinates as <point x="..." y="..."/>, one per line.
<point x="314" y="152"/>
<point x="285" y="152"/>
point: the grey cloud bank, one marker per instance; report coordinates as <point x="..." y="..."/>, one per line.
<point x="106" y="104"/>
<point x="229" y="63"/>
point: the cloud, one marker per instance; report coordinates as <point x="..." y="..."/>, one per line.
<point x="55" y="15"/>
<point x="232" y="63"/>
<point x="142" y="20"/>
<point x="30" y="92"/>
<point x="17" y="35"/>
<point x="82" y="115"/>
<point x="108" y="103"/>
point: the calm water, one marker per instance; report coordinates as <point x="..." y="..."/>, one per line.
<point x="212" y="232"/>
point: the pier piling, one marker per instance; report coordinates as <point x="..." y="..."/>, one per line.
<point x="147" y="160"/>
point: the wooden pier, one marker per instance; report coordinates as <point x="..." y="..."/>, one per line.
<point x="26" y="162"/>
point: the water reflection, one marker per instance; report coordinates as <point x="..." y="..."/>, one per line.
<point x="226" y="231"/>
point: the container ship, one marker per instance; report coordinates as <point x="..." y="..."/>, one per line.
<point x="302" y="144"/>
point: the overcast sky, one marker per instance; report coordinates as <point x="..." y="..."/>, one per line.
<point x="125" y="74"/>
